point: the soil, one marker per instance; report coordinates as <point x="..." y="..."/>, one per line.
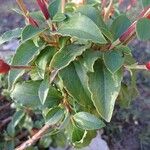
<point x="128" y="129"/>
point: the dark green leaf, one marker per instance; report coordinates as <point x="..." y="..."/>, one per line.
<point x="30" y="32"/>
<point x="54" y="7"/>
<point x="59" y="17"/>
<point x="113" y="60"/>
<point x="89" y="58"/>
<point x="87" y="121"/>
<point x="95" y="16"/>
<point x="9" y="35"/>
<point x="146" y="3"/>
<point x="54" y="115"/>
<point x="66" y="55"/>
<point x="119" y="25"/>
<point x="43" y="90"/>
<point x="23" y="56"/>
<point x="78" y="135"/>
<point x="44" y="59"/>
<point x="75" y="81"/>
<point x="127" y="94"/>
<point x="104" y="87"/>
<point x="143" y="29"/>
<point x="74" y="27"/>
<point x="26" y="94"/>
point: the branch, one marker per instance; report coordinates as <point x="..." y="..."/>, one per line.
<point x="4" y="122"/>
<point x="35" y="138"/>
<point x="130" y="32"/>
<point x="108" y="11"/>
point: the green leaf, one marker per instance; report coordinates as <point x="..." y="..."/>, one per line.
<point x="30" y="32"/>
<point x="26" y="94"/>
<point x="43" y="90"/>
<point x="145" y="3"/>
<point x="89" y="58"/>
<point x="74" y="27"/>
<point x="127" y="94"/>
<point x="54" y="7"/>
<point x="119" y="25"/>
<point x="59" y="17"/>
<point x="66" y="55"/>
<point x="38" y="16"/>
<point x="86" y="140"/>
<point x="104" y="87"/>
<point x="95" y="16"/>
<point x="78" y="135"/>
<point x="143" y="29"/>
<point x="54" y="116"/>
<point x="43" y="60"/>
<point x="9" y="35"/>
<point x="75" y="81"/>
<point x="87" y="121"/>
<point x="17" y="117"/>
<point x="23" y="56"/>
<point x="113" y="60"/>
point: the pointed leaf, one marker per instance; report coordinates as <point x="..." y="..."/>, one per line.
<point x="119" y="25"/>
<point x="104" y="87"/>
<point x="29" y="32"/>
<point x="23" y="56"/>
<point x="54" y="116"/>
<point x="43" y="60"/>
<point x="26" y="94"/>
<point x="66" y="55"/>
<point x="43" y="90"/>
<point x="143" y="29"/>
<point x="74" y="27"/>
<point x="113" y="60"/>
<point x="75" y="81"/>
<point x="89" y="58"/>
<point x="9" y="35"/>
<point x="87" y="121"/>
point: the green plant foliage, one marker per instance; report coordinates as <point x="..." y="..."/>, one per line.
<point x="87" y="121"/>
<point x="145" y="3"/>
<point x="74" y="27"/>
<point x="141" y="29"/>
<point x="104" y="87"/>
<point x="68" y="71"/>
<point x="9" y="35"/>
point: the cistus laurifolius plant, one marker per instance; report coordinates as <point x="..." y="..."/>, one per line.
<point x="68" y="70"/>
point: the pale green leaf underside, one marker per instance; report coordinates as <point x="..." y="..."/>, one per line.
<point x="9" y="35"/>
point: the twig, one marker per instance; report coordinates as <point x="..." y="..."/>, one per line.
<point x="35" y="138"/>
<point x="63" y="2"/>
<point x="6" y="106"/>
<point x="129" y="33"/>
<point x="4" y="122"/>
<point x="108" y="10"/>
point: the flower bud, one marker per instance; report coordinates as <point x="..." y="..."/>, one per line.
<point x="4" y="67"/>
<point x="148" y="65"/>
<point x="43" y="7"/>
